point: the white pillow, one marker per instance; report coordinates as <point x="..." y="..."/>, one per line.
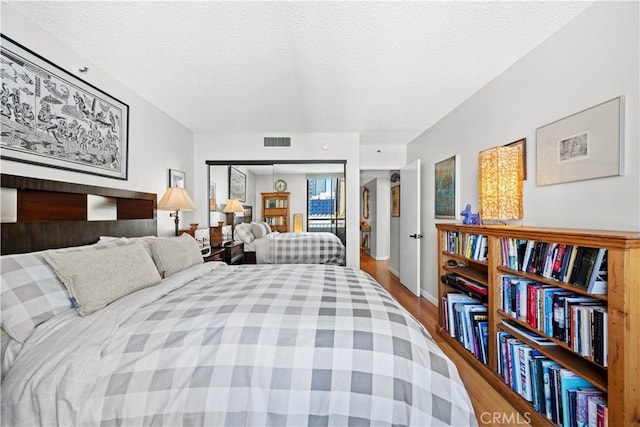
<point x="31" y="294"/>
<point x="259" y="230"/>
<point x="98" y="275"/>
<point x="244" y="233"/>
<point x="31" y="291"/>
<point x="173" y="254"/>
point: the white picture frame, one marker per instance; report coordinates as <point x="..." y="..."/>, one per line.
<point x="585" y="145"/>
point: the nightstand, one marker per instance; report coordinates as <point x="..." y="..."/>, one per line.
<point x="233" y="253"/>
<point x="217" y="254"/>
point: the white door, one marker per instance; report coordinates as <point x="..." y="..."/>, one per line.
<point x="410" y="226"/>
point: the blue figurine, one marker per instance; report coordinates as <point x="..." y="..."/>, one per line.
<point x="469" y="217"/>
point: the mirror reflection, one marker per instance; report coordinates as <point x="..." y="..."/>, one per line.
<point x="290" y="197"/>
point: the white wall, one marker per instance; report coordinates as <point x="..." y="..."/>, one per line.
<point x="157" y="143"/>
<point x="379" y="217"/>
<point x="249" y="146"/>
<point x="394" y="244"/>
<point x="382" y="157"/>
<point x="592" y="59"/>
<point x="383" y="218"/>
<point x="373" y="215"/>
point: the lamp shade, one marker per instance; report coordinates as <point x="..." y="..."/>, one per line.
<point x="176" y="199"/>
<point x="233" y="205"/>
<point x="500" y="184"/>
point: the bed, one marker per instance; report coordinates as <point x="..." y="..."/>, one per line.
<point x="154" y="336"/>
<point x="289" y="248"/>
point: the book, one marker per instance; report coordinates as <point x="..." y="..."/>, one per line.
<point x="530" y="335"/>
<point x="469" y="310"/>
<point x="587" y="264"/>
<point x="537" y="383"/>
<point x="597" y="283"/>
<point x="556" y="401"/>
<point x="546" y="378"/>
<point x="602" y="414"/>
<point x="592" y="410"/>
<point x="569" y="380"/>
<point x="548" y="294"/>
<point x="483" y="336"/>
<point x="557" y="262"/>
<point x="569" y="301"/>
<point x="550" y="257"/>
<point x="582" y="404"/>
<point x="527" y="255"/>
<point x="572" y="259"/>
<point x="559" y="318"/>
<point x="525" y="355"/>
<point x="566" y="257"/>
<point x="514" y="353"/>
<point x="576" y="264"/>
<point x="532" y="303"/>
<point x="452" y="299"/>
<point x="475" y="290"/>
<point x="522" y="247"/>
<point x="599" y="341"/>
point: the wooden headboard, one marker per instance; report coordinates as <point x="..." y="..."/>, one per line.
<point x="40" y="214"/>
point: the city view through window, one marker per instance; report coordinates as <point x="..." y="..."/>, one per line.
<point x="326" y="206"/>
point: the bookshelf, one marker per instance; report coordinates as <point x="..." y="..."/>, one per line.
<point x="620" y="303"/>
<point x="275" y="210"/>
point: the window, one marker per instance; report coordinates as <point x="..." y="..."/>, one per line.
<point x="326" y="206"/>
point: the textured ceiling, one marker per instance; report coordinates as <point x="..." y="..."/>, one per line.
<point x="387" y="70"/>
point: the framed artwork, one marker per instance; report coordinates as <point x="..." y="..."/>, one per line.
<point x="176" y="178"/>
<point x="445" y="188"/>
<point x="212" y="196"/>
<point x="51" y="118"/>
<point x="237" y="184"/>
<point x="365" y="203"/>
<point x="297" y="223"/>
<point x="585" y="145"/>
<point x="522" y="145"/>
<point x="395" y="201"/>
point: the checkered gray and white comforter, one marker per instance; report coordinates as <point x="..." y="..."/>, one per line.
<point x="218" y="345"/>
<point x="300" y="248"/>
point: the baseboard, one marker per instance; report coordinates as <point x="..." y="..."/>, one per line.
<point x="382" y="258"/>
<point x="426" y="295"/>
<point x="394" y="272"/>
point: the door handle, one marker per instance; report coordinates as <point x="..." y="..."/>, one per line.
<point x="415" y="236"/>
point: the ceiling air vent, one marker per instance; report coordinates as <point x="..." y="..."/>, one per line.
<point x="279" y="141"/>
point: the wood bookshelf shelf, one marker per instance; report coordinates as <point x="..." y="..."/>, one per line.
<point x="621" y="303"/>
<point x="275" y="210"/>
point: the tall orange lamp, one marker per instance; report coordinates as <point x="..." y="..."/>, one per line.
<point x="500" y="184"/>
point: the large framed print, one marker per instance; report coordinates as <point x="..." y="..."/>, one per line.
<point x="445" y="188"/>
<point x="237" y="185"/>
<point x="52" y="118"/>
<point x="585" y="145"/>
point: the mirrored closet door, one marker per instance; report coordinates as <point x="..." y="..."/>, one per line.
<point x="313" y="195"/>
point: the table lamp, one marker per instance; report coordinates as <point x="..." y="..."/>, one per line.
<point x="500" y="184"/>
<point x="176" y="199"/>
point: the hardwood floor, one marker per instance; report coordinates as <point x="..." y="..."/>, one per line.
<point x="490" y="407"/>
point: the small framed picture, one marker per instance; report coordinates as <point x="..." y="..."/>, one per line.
<point x="522" y="145"/>
<point x="395" y="200"/>
<point x="445" y="188"/>
<point x="176" y="178"/>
